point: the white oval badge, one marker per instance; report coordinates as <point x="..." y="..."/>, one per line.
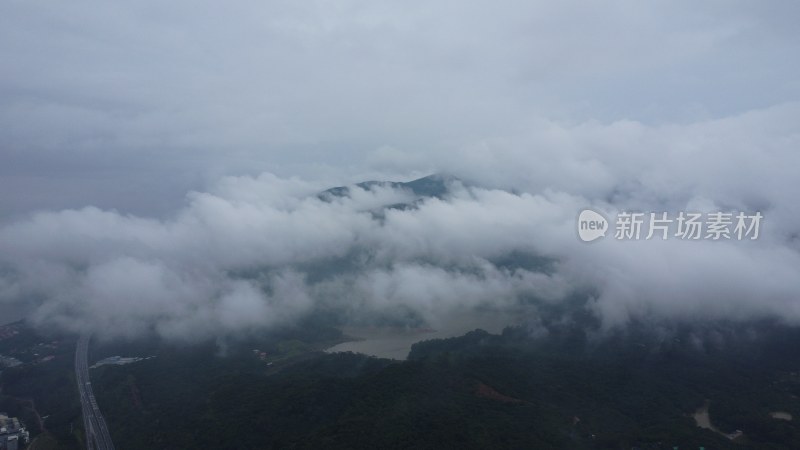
<point x="591" y="225"/>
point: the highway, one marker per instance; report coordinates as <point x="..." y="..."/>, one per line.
<point x="97" y="437"/>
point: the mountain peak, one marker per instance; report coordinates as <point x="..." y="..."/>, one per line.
<point x="434" y="185"/>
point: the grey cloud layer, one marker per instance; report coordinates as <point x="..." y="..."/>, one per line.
<point x="129" y="105"/>
<point x="125" y="274"/>
<point x="624" y="105"/>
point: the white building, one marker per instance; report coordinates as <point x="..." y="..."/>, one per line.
<point x="13" y="434"/>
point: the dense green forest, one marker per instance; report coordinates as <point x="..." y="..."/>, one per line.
<point x="553" y="386"/>
<point x="42" y="391"/>
<point x="566" y="389"/>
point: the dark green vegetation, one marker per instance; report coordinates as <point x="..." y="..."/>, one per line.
<point x="549" y="386"/>
<point x="552" y="387"/>
<point x="42" y="391"/>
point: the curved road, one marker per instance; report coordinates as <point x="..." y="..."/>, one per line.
<point x="97" y="437"/>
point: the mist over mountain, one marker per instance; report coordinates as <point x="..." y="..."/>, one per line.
<point x="256" y="253"/>
<point x="187" y="171"/>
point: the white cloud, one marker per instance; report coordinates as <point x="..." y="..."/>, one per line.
<point x="657" y="106"/>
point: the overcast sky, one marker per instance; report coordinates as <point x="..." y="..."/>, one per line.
<point x="136" y="137"/>
<point x="128" y="105"/>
